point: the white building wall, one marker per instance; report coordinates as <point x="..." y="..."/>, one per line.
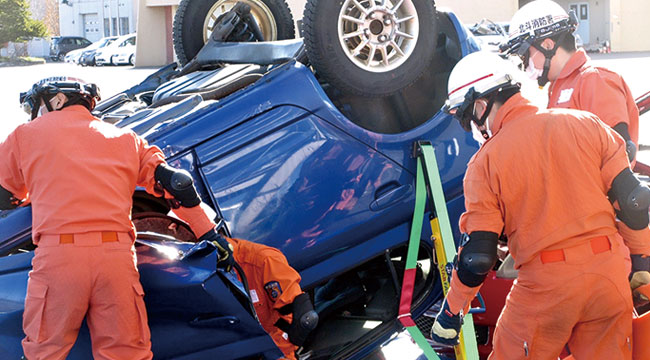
<point x="94" y="19"/>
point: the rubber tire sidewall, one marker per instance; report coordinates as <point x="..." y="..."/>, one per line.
<point x="320" y="21"/>
<point x="190" y="16"/>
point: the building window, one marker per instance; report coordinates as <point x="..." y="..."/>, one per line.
<point x="115" y="27"/>
<point x="124" y="25"/>
<point x="107" y="27"/>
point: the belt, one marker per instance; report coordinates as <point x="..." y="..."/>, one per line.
<point x="107" y="236"/>
<point x="598" y="245"/>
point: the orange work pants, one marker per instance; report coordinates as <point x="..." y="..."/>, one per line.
<point x="583" y="301"/>
<point x="90" y="275"/>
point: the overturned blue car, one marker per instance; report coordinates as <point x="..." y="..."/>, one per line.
<point x="305" y="145"/>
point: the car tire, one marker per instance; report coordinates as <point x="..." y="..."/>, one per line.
<point x="132" y="60"/>
<point x="112" y="61"/>
<point x="370" y="53"/>
<point x="60" y="57"/>
<point x="192" y="22"/>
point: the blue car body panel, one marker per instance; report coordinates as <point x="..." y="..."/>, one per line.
<point x="283" y="167"/>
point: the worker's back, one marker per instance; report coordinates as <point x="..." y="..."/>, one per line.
<point x="81" y="172"/>
<point x="550" y="171"/>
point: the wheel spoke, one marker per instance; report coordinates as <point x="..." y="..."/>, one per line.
<point x="372" y="3"/>
<point x="357" y="50"/>
<point x="352" y="19"/>
<point x="353" y="34"/>
<point x="396" y="48"/>
<point x="371" y="54"/>
<point x="397" y="6"/>
<point x="360" y="7"/>
<point x="384" y="55"/>
<point x="405" y="19"/>
<point x="408" y="36"/>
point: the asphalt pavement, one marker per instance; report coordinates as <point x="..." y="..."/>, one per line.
<point x="634" y="66"/>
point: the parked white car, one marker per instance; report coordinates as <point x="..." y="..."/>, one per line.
<point x="127" y="53"/>
<point x="74" y="55"/>
<point x="107" y="55"/>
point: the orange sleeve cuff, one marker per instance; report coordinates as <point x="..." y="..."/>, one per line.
<point x="460" y="295"/>
<point x="196" y="217"/>
<point x="638" y="241"/>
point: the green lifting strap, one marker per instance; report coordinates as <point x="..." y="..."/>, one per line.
<point x="429" y="186"/>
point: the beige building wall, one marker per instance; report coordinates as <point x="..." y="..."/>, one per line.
<point x="631" y="25"/>
<point x="154" y="32"/>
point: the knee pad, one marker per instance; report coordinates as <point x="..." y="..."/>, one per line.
<point x="477" y="257"/>
<point x="179" y="184"/>
<point x="633" y="200"/>
<point x="305" y="319"/>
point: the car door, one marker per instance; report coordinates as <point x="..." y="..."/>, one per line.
<point x="293" y="181"/>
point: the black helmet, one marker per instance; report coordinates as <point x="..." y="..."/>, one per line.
<point x="75" y="89"/>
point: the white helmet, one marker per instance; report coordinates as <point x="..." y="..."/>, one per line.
<point x="482" y="74"/>
<point x="534" y="22"/>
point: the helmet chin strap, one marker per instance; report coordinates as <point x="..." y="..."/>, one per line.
<point x="483" y="119"/>
<point x="548" y="55"/>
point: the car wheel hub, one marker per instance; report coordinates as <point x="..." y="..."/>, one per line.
<point x="378" y="35"/>
<point x="262" y="14"/>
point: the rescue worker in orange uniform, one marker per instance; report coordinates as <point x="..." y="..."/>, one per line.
<point x="276" y="295"/>
<point x="543" y="178"/>
<point x="79" y="174"/>
<point x="541" y="32"/>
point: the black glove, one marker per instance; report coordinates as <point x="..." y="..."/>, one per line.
<point x="446" y="328"/>
<point x="226" y="259"/>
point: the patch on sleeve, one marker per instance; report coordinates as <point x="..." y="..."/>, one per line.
<point x="273" y="289"/>
<point x="565" y="95"/>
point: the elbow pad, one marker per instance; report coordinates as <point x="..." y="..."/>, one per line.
<point x="179" y="184"/>
<point x="477" y="257"/>
<point x="7" y="200"/>
<point x="633" y="200"/>
<point x="305" y="319"/>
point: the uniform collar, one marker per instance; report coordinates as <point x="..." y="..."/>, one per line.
<point x="575" y="62"/>
<point x="513" y="108"/>
<point x="76" y="108"/>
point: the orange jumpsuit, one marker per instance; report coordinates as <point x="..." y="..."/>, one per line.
<point x="80" y="174"/>
<point x="272" y="283"/>
<point x="542" y="178"/>
<point x="604" y="93"/>
<point x="600" y="91"/>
